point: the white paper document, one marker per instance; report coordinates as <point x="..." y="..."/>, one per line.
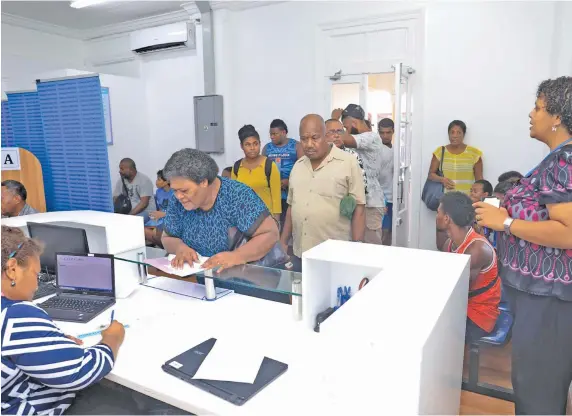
<point x="230" y="360"/>
<point x="164" y="264"/>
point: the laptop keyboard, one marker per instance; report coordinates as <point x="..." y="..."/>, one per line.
<point x="80" y="305"/>
<point x="44" y="289"/>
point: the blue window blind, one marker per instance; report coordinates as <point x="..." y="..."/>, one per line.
<point x="7" y="134"/>
<point x="74" y="132"/>
<point x="28" y="133"/>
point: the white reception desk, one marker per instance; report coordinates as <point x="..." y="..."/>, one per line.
<point x="396" y="347"/>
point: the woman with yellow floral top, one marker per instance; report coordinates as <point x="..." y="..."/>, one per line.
<point x="462" y="164"/>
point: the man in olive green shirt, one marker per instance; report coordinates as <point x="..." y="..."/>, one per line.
<point x="318" y="183"/>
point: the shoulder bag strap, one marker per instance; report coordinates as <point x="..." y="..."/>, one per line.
<point x="483" y="289"/>
<point x="125" y="187"/>
<point x="236" y="167"/>
<point x="268" y="170"/>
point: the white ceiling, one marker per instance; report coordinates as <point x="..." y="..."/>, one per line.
<point x="60" y="13"/>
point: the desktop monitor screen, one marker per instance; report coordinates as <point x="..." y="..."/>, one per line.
<point x="91" y="273"/>
<point x="57" y="239"/>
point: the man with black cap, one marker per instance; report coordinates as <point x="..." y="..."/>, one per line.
<point x="368" y="145"/>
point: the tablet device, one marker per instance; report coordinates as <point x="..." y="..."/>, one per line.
<point x="185" y="365"/>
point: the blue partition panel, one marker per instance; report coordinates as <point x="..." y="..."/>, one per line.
<point x="74" y="131"/>
<point x="7" y="134"/>
<point x="28" y="133"/>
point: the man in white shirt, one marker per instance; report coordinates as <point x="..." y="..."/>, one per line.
<point x="368" y="145"/>
<point x="386" y="128"/>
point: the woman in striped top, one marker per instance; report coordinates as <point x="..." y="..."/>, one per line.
<point x="42" y="369"/>
<point x="462" y="164"/>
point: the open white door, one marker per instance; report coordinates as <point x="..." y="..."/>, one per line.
<point x="402" y="158"/>
<point x="348" y="89"/>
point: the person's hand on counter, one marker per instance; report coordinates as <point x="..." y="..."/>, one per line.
<point x="223" y="261"/>
<point x="184" y="254"/>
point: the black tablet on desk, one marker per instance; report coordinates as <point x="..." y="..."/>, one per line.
<point x="186" y="365"/>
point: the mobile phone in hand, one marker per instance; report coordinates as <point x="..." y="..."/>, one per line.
<point x="495" y="202"/>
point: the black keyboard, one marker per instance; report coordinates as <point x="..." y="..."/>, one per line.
<point x="80" y="305"/>
<point x="46" y="277"/>
<point x="44" y="289"/>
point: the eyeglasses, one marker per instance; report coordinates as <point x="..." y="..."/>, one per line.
<point x="332" y="132"/>
<point x="13" y="254"/>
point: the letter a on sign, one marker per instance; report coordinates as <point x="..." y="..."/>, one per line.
<point x="10" y="158"/>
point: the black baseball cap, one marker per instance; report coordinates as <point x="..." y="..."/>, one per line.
<point x="354" y="111"/>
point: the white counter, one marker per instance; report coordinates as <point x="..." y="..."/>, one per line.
<point x="399" y="359"/>
<point x="395" y="348"/>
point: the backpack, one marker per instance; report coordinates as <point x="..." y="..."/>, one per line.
<point x="267" y="169"/>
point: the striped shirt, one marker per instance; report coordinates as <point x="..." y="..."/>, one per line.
<point x="41" y="368"/>
<point x="460" y="168"/>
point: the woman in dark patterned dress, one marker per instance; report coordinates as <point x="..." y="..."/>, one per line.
<point x="536" y="259"/>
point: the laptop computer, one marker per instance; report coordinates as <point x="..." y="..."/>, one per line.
<point x="85" y="287"/>
<point x="186" y="365"/>
<point x="57" y="238"/>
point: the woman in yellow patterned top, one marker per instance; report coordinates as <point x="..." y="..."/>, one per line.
<point x="462" y="164"/>
<point x="257" y="171"/>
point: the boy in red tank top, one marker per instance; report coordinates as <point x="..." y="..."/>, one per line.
<point x="455" y="234"/>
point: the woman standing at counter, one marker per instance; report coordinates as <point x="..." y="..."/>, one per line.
<point x="204" y="209"/>
<point x="536" y="241"/>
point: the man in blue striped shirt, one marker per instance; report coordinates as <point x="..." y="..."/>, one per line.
<point x="42" y="369"/>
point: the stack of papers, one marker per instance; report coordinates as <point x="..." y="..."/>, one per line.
<point x="230" y="360"/>
<point x="164" y="264"/>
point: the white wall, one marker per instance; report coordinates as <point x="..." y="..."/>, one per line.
<point x="482" y="65"/>
<point x="129" y="119"/>
<point x="27" y="52"/>
<point x="170" y="81"/>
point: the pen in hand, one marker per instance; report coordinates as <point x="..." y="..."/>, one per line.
<point x="112" y="314"/>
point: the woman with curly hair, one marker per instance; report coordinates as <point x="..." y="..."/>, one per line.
<point x="536" y="241"/>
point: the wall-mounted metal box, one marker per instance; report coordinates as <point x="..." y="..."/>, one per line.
<point x="209" y="125"/>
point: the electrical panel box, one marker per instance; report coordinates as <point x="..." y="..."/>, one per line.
<point x="209" y="125"/>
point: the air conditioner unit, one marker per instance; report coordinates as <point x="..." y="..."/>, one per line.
<point x="160" y="38"/>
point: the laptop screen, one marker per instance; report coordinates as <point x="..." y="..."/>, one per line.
<point x="85" y="273"/>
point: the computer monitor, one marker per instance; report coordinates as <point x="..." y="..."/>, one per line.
<point x="92" y="273"/>
<point x="58" y="239"/>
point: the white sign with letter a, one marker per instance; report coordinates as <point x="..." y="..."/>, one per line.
<point x="10" y="158"/>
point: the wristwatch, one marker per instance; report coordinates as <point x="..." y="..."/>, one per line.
<point x="507" y="223"/>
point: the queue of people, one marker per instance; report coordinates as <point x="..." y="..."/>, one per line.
<point x="315" y="190"/>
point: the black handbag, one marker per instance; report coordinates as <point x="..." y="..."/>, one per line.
<point x="122" y="204"/>
<point x="433" y="191"/>
<point x="274" y="257"/>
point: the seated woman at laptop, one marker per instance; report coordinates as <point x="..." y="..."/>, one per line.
<point x="42" y="369"/>
<point x="206" y="208"/>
